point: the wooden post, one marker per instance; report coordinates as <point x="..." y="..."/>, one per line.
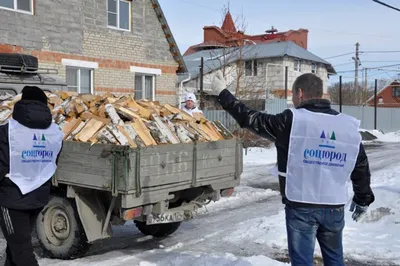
<point x="201" y="83"/>
<point x="375" y="104"/>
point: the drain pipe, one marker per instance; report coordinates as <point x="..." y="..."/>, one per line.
<point x="181" y="90"/>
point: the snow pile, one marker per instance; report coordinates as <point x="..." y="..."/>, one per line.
<point x="384" y="137"/>
<point x="159" y="258"/>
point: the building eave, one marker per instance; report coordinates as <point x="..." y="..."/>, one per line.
<point x="170" y="38"/>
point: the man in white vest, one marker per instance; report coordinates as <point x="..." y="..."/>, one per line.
<point x="318" y="151"/>
<point x="29" y="147"/>
<point x="190" y="104"/>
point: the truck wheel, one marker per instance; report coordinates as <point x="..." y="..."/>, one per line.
<point x="59" y="230"/>
<point x="157" y="230"/>
<point x="19" y="60"/>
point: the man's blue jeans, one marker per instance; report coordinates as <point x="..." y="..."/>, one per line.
<point x="304" y="225"/>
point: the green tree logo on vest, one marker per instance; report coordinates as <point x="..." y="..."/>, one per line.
<point x="326" y="153"/>
<point x="39" y="142"/>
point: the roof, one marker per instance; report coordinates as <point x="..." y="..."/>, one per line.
<point x="214" y="58"/>
<point x="170" y="38"/>
<point x="390" y="83"/>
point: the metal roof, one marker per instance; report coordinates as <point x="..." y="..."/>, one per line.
<point x="214" y="58"/>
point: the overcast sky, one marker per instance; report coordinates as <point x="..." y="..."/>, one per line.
<point x="334" y="27"/>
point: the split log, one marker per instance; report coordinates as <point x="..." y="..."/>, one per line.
<point x="112" y="113"/>
<point x="91" y="127"/>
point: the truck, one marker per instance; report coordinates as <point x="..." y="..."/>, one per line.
<point x="98" y="186"/>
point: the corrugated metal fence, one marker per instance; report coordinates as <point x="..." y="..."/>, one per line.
<point x="388" y="119"/>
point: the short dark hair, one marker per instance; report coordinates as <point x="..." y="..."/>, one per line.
<point x="311" y="85"/>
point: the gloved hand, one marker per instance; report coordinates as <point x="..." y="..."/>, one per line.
<point x="218" y="83"/>
<point x="359" y="212"/>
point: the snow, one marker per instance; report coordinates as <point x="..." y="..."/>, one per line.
<point x="384" y="137"/>
<point x="376" y="238"/>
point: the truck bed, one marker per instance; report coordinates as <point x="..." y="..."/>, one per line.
<point x="147" y="175"/>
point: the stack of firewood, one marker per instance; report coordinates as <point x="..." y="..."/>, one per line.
<point x="123" y="121"/>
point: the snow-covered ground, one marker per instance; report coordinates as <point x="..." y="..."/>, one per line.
<point x="249" y="228"/>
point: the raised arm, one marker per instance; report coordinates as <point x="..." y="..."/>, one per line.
<point x="265" y="125"/>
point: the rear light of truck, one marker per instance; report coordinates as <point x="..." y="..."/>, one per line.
<point x="132" y="213"/>
<point x="227" y="192"/>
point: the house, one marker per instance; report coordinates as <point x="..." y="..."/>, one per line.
<point x="388" y="96"/>
<point x="256" y="70"/>
<point x="227" y="36"/>
<point x="97" y="46"/>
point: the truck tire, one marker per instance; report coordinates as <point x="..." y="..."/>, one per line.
<point x="157" y="230"/>
<point x="59" y="230"/>
<point x="19" y="60"/>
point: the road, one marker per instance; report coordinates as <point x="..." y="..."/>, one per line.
<point x="208" y="231"/>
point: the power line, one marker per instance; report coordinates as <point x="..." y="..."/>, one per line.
<point x="346" y="71"/>
<point x="384" y="4"/>
<point x="379" y="52"/>
<point x="292" y="26"/>
<point x="345" y="64"/>
<point x="339" y="55"/>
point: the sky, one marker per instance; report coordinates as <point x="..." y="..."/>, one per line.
<point x="334" y="28"/>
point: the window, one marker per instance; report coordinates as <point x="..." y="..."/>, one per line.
<point x="144" y="87"/>
<point x="119" y="14"/>
<point x="80" y="79"/>
<point x="396" y="91"/>
<point x="251" y="68"/>
<point x="313" y="68"/>
<point x="24" y="6"/>
<point x="297" y="65"/>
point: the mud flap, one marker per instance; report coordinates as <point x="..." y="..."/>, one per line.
<point x="93" y="216"/>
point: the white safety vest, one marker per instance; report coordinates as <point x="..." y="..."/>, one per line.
<point x="323" y="150"/>
<point x="33" y="154"/>
<point x="191" y="111"/>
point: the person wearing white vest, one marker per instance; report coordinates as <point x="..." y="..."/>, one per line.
<point x="318" y="150"/>
<point x="29" y="148"/>
<point x="190" y="104"/>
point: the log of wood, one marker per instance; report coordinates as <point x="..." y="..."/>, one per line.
<point x="112" y="113"/>
<point x="87" y="115"/>
<point x="144" y="133"/>
<point x="91" y="127"/>
<point x="70" y="126"/>
<point x="223" y="130"/>
<point x="164" y="129"/>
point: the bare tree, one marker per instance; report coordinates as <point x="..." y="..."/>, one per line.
<point x="236" y="60"/>
<point x="350" y="96"/>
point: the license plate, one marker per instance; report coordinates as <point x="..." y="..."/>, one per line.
<point x="166" y="217"/>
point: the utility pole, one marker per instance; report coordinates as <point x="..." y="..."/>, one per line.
<point x="357" y="62"/>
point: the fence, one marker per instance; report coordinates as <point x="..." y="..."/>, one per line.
<point x="388" y="119"/>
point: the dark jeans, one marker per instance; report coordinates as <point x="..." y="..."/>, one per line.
<point x="304" y="225"/>
<point x="17" y="228"/>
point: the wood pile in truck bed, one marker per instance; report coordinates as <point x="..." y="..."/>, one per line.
<point x="123" y="121"/>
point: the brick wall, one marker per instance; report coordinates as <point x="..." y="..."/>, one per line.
<point x="83" y="35"/>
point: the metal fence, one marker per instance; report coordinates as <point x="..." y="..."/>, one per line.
<point x="388" y="119"/>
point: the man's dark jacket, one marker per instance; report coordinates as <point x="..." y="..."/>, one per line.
<point x="32" y="114"/>
<point x="277" y="128"/>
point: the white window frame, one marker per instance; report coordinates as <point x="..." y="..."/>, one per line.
<point x="297" y="65"/>
<point x="314" y="65"/>
<point x="78" y="64"/>
<point x="15" y="9"/>
<point x="253" y="62"/>
<point x="144" y="71"/>
<point x="130" y="16"/>
<point x="153" y="88"/>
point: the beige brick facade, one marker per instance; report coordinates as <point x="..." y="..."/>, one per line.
<point x="89" y="40"/>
